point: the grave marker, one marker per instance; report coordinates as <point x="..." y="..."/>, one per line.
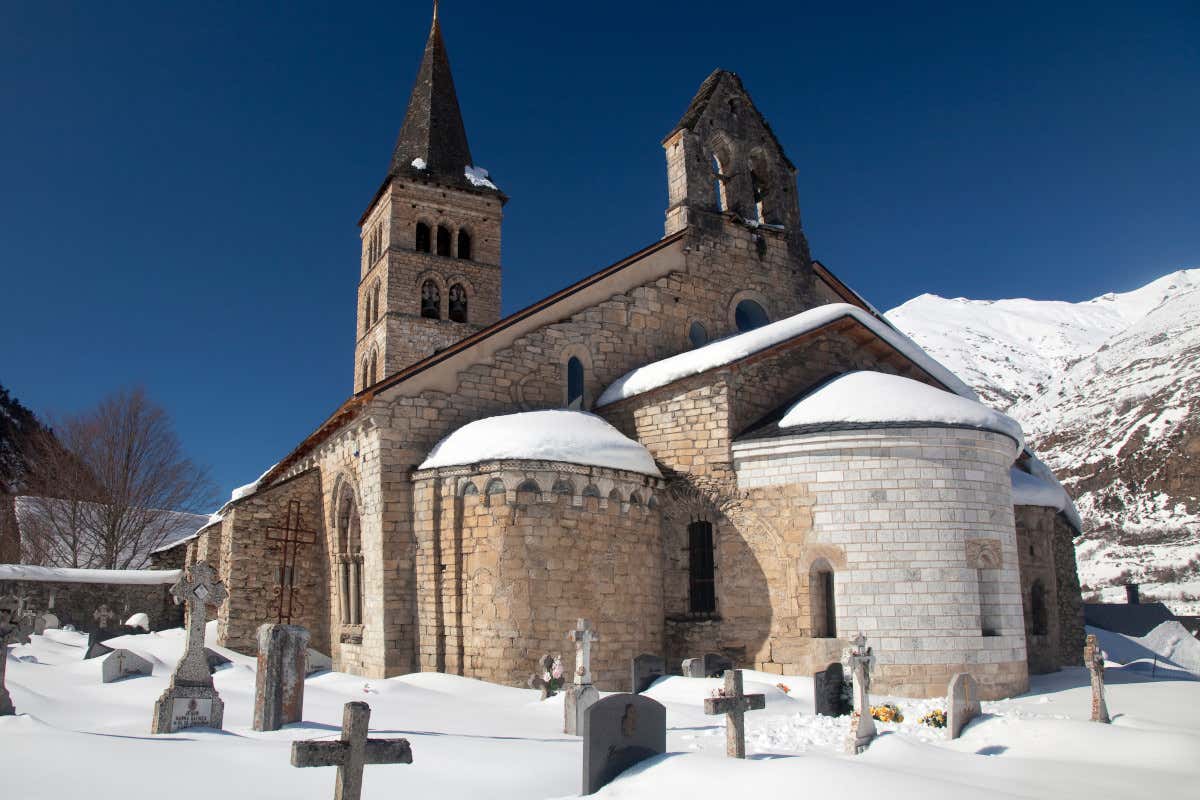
<point x="7" y="631"/>
<point x="734" y="703"/>
<point x="352" y="752"/>
<point x="644" y="670"/>
<point x="860" y="659"/>
<point x="962" y="703"/>
<point x="580" y="694"/>
<point x="618" y="732"/>
<point x="829" y="692"/>
<point x="44" y="622"/>
<point x="711" y="665"/>
<point x="279" y="685"/>
<point x="121" y="663"/>
<point x="1093" y="658"/>
<point x="190" y="700"/>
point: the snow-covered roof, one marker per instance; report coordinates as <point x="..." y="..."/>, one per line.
<point x="576" y="437"/>
<point x="131" y="577"/>
<point x="735" y="348"/>
<point x="876" y="398"/>
<point x="1043" y="489"/>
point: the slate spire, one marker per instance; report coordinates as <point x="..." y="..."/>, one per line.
<point x="433" y="128"/>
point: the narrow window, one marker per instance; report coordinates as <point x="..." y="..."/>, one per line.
<point x="365" y="374"/>
<point x="760" y="195"/>
<point x="749" y="315"/>
<point x="375" y="302"/>
<point x="443" y="240"/>
<point x="374" y="368"/>
<point x="574" y="383"/>
<point x="697" y="335"/>
<point x="431" y="300"/>
<point x="458" y="303"/>
<point x="1037" y="608"/>
<point x="366" y="316"/>
<point x="718" y="184"/>
<point x="702" y="598"/>
<point x="821" y="599"/>
<point x="422" y="237"/>
<point x="464" y="245"/>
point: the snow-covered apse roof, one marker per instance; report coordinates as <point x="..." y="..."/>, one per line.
<point x="575" y="437"/>
<point x="876" y="398"/>
<point x="734" y="348"/>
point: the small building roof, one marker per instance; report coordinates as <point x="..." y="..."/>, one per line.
<point x="1044" y="491"/>
<point x="575" y="437"/>
<point x="1130" y="619"/>
<point x="127" y="577"/>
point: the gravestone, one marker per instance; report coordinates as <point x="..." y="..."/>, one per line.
<point x="352" y="752"/>
<point x="829" y="692"/>
<point x="121" y="663"/>
<point x="279" y="685"/>
<point x="317" y="662"/>
<point x="8" y="631"/>
<point x="580" y="694"/>
<point x="214" y="660"/>
<point x="734" y="703"/>
<point x="712" y="665"/>
<point x="1093" y="659"/>
<point x="962" y="703"/>
<point x="692" y="668"/>
<point x="43" y="622"/>
<point x="191" y="700"/>
<point x="103" y="615"/>
<point x="96" y="646"/>
<point x="860" y="659"/>
<point x="618" y="732"/>
<point x="644" y="670"/>
<point x="548" y="676"/>
<point x="139" y="621"/>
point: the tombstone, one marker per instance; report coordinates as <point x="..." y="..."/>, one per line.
<point x="734" y="703"/>
<point x="352" y="752"/>
<point x="1093" y="658"/>
<point x="43" y="622"/>
<point x="190" y="700"/>
<point x="644" y="670"/>
<point x="317" y="662"/>
<point x="830" y="698"/>
<point x="962" y="703"/>
<point x="618" y="732"/>
<point x="215" y="660"/>
<point x="96" y="646"/>
<point x="712" y="665"/>
<point x="139" y="621"/>
<point x="692" y="668"/>
<point x="8" y="631"/>
<point x="548" y="678"/>
<point x="103" y="615"/>
<point x="860" y="659"/>
<point x="121" y="663"/>
<point x="580" y="694"/>
<point x="279" y="685"/>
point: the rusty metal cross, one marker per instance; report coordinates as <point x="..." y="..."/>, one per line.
<point x="291" y="537"/>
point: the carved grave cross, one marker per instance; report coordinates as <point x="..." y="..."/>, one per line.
<point x="198" y="588"/>
<point x="1093" y="658"/>
<point x="291" y="537"/>
<point x="734" y="703"/>
<point x="583" y="636"/>
<point x="352" y="752"/>
<point x="859" y="660"/>
<point x="102" y="615"/>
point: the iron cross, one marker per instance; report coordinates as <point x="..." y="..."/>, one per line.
<point x="734" y="703"/>
<point x="291" y="537"/>
<point x="352" y="752"/>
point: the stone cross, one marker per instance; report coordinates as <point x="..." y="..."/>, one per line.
<point x="102" y="615"/>
<point x="1093" y="658"/>
<point x="860" y="659"/>
<point x="583" y="636"/>
<point x="350" y="753"/>
<point x="7" y="630"/>
<point x="734" y="703"/>
<point x="190" y="699"/>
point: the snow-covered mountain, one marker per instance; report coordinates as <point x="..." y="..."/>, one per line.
<point x="1108" y="392"/>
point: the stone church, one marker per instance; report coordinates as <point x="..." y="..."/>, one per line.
<point x="696" y="448"/>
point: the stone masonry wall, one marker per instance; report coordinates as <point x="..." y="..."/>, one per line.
<point x="1052" y="560"/>
<point x="510" y="556"/>
<point x="75" y="603"/>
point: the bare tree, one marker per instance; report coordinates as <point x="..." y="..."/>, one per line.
<point x="113" y="490"/>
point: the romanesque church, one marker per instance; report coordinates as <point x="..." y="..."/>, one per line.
<point x="711" y="446"/>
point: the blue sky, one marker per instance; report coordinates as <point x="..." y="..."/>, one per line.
<point x="181" y="184"/>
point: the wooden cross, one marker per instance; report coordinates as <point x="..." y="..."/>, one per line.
<point x="291" y="538"/>
<point x="583" y="636"/>
<point x="352" y="752"/>
<point x="199" y="588"/>
<point x="734" y="703"/>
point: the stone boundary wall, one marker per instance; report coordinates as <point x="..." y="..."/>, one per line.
<point x="924" y="517"/>
<point x="511" y="554"/>
<point x="75" y="602"/>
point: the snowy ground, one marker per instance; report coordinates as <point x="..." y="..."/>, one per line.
<point x="78" y="737"/>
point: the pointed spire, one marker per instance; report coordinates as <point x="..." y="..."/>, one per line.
<point x="433" y="128"/>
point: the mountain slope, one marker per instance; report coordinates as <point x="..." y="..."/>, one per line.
<point x="1108" y="392"/>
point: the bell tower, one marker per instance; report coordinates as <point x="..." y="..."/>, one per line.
<point x="430" y="272"/>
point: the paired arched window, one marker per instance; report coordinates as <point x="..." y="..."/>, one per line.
<point x="423" y="238"/>
<point x="697" y="335"/>
<point x="821" y="600"/>
<point x="374" y="245"/>
<point x="431" y="300"/>
<point x="1038" y="612"/>
<point x="464" y="245"/>
<point x="458" y="303"/>
<point x="749" y="315"/>
<point x="574" y="383"/>
<point x="702" y="595"/>
<point x="350" y="560"/>
<point x="371" y="306"/>
<point x="443" y="240"/>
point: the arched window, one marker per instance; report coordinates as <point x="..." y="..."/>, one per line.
<point x="574" y="383"/>
<point x="718" y="179"/>
<point x="697" y="335"/>
<point x="529" y="485"/>
<point x="563" y="486"/>
<point x="431" y="300"/>
<point x="375" y="302"/>
<point x="422" y="237"/>
<point x="749" y="315"/>
<point x="366" y="315"/>
<point x="702" y="596"/>
<point x="458" y="303"/>
<point x="443" y="240"/>
<point x="350" y="559"/>
<point x="374" y="373"/>
<point x="1037" y="608"/>
<point x="464" y="245"/>
<point x="821" y="600"/>
<point x="760" y="196"/>
<point x="366" y="364"/>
